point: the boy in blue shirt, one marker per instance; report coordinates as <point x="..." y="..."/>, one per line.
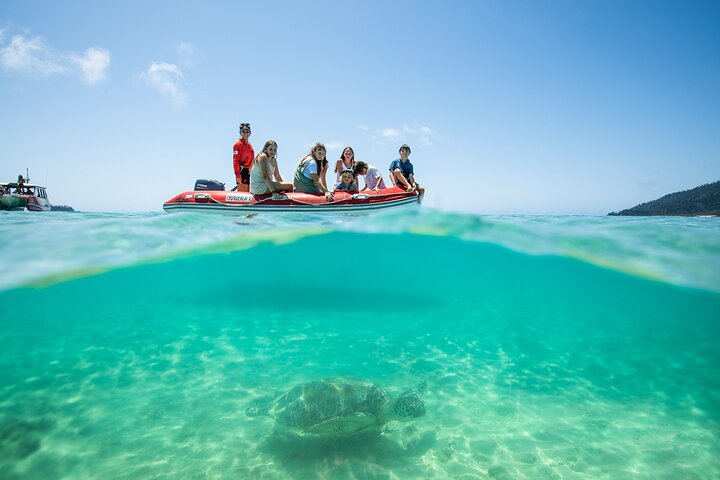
<point x="402" y="174"/>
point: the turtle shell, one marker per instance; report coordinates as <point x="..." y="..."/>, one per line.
<point x="311" y="404"/>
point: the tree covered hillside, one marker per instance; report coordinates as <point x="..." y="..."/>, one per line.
<point x="702" y="200"/>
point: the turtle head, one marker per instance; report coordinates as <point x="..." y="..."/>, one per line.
<point x="255" y="410"/>
<point x="252" y="411"/>
<point x="410" y="404"/>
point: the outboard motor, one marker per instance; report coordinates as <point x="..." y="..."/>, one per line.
<point x="204" y="184"/>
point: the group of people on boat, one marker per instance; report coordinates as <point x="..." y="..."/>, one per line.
<point x="259" y="174"/>
<point x="20" y="188"/>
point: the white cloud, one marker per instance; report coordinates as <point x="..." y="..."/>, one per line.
<point x="93" y="64"/>
<point x="418" y="130"/>
<point x="185" y="51"/>
<point x="391" y="133"/>
<point x="167" y="79"/>
<point x="32" y="56"/>
<point x="413" y="133"/>
<point x="334" y="146"/>
<point x="364" y="128"/>
<point x="422" y="134"/>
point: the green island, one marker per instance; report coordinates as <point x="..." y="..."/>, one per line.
<point x="702" y="200"/>
<point x="62" y="208"/>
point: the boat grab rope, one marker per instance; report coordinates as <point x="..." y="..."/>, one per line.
<point x="275" y="197"/>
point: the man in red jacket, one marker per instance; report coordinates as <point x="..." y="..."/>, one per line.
<point x="243" y="155"/>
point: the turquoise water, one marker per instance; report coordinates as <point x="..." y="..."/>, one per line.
<point x="552" y="347"/>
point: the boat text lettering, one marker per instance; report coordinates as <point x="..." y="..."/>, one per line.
<point x="234" y="197"/>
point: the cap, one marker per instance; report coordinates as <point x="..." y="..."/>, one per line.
<point x="405" y="145"/>
<point x="244" y="126"/>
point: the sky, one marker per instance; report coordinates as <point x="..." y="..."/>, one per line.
<point x="552" y="107"/>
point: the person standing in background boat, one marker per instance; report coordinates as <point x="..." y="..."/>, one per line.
<point x="243" y="155"/>
<point x="402" y="173"/>
<point x="264" y="169"/>
<point x="345" y="162"/>
<point x="310" y="172"/>
<point x="20" y="185"/>
<point x="373" y="177"/>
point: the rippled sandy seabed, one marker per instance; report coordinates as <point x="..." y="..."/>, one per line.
<point x="552" y="347"/>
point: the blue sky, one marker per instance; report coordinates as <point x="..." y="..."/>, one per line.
<point x="509" y="107"/>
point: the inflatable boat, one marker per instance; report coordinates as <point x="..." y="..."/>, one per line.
<point x="239" y="202"/>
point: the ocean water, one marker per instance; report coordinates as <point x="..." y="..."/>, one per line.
<point x="552" y="347"/>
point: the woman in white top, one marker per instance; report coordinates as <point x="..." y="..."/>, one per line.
<point x="264" y="169"/>
<point x="345" y="162"/>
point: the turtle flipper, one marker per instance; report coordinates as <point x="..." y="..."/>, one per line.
<point x="258" y="408"/>
<point x="418" y="388"/>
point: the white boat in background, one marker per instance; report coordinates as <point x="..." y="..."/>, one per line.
<point x="15" y="196"/>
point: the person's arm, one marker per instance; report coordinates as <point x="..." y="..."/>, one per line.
<point x="319" y="184"/>
<point x="323" y="176"/>
<point x="278" y="178"/>
<point x="236" y="163"/>
<point x="379" y="182"/>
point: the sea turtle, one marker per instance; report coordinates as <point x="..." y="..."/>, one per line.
<point x="339" y="406"/>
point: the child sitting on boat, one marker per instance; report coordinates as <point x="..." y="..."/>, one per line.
<point x="347" y="182"/>
<point x="373" y="177"/>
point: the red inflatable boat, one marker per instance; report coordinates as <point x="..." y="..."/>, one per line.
<point x="224" y="201"/>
